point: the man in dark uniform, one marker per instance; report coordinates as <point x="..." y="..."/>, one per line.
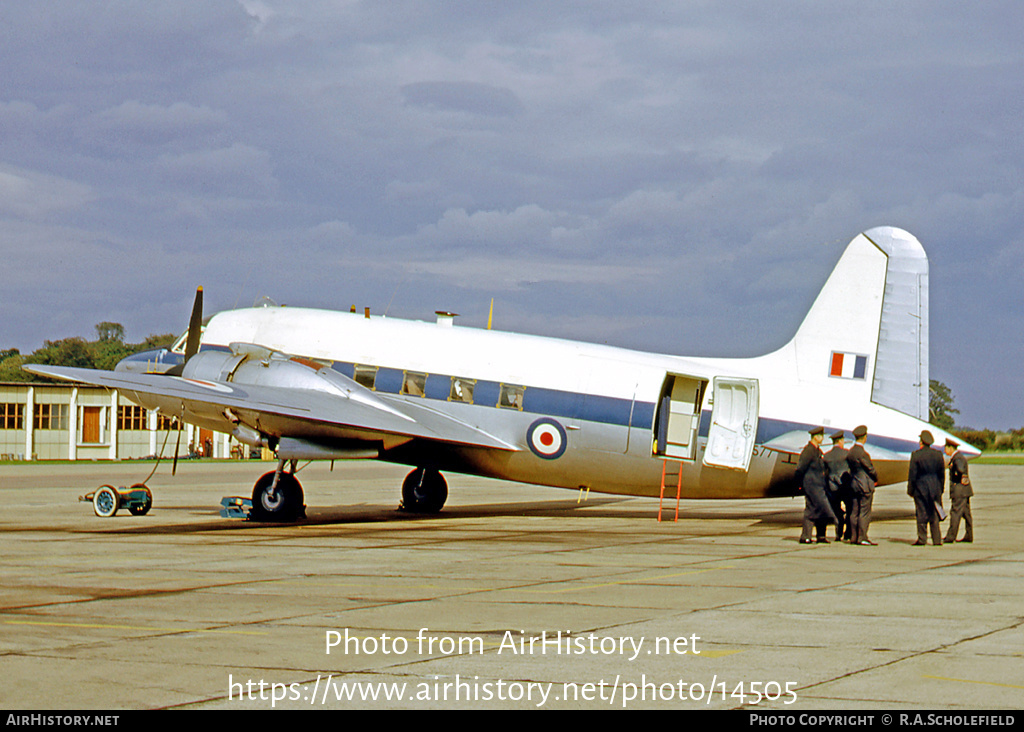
<point x="925" y="485"/>
<point x="960" y="492"/>
<point x="862" y="483"/>
<point x="839" y="484"/>
<point x="812" y="475"/>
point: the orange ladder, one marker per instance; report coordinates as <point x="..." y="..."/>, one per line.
<point x="679" y="484"/>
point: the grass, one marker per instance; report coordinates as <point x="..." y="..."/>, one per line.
<point x="999" y="458"/>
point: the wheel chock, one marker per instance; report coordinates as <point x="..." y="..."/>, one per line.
<point x="235" y="507"/>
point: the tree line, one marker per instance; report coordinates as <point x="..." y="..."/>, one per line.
<point x="102" y="353"/>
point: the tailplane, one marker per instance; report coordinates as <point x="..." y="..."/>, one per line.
<point x="868" y="326"/>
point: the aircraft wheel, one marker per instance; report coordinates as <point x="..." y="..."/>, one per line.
<point x="105" y="501"/>
<point x="286" y="504"/>
<point x="144" y="508"/>
<point x="424" y="490"/>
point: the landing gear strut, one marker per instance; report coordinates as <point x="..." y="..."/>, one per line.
<point x="277" y="496"/>
<point x="424" y="490"/>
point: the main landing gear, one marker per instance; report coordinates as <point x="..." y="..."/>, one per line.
<point x="277" y="496"/>
<point x="424" y="490"/>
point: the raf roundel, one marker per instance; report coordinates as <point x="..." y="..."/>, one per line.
<point x="546" y="439"/>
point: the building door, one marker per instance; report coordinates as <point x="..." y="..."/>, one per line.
<point x="91" y="424"/>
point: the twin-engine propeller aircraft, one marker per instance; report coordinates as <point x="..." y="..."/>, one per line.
<point x="320" y="385"/>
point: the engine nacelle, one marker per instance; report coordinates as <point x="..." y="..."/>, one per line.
<point x="258" y="366"/>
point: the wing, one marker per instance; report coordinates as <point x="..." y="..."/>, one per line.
<point x="322" y="410"/>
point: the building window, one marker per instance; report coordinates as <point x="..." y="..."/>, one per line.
<point x="462" y="390"/>
<point x="511" y="397"/>
<point x="50" y="417"/>
<point x="131" y="417"/>
<point x="12" y="416"/>
<point x="163" y="422"/>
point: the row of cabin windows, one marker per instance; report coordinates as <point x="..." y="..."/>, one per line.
<point x="414" y="383"/>
<point x="55" y="417"/>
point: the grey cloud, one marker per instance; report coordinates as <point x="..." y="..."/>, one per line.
<point x="463" y="96"/>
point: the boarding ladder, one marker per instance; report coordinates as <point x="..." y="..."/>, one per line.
<point x="666" y="475"/>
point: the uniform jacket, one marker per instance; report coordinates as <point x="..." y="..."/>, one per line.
<point x="927" y="477"/>
<point x="813" y="476"/>
<point x="838" y="470"/>
<point x="959" y="482"/>
<point x="862" y="471"/>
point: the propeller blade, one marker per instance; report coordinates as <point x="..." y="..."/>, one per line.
<point x="195" y="330"/>
<point x="195" y="326"/>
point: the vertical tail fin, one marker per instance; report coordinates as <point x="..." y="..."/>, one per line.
<point x="869" y="324"/>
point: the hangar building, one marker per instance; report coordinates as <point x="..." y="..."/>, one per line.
<point x="79" y="422"/>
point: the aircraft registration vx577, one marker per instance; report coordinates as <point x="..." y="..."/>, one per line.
<point x="314" y="384"/>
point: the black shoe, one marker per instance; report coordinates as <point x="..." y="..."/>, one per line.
<point x="822" y="540"/>
<point x="965" y="540"/>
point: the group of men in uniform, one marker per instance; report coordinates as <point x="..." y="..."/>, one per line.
<point x="839" y="487"/>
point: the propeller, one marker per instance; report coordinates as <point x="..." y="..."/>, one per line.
<point x="195" y="331"/>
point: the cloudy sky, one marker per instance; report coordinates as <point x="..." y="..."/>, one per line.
<point x="671" y="176"/>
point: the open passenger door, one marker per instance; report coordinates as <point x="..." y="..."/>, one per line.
<point x="678" y="418"/>
<point x="733" y="423"/>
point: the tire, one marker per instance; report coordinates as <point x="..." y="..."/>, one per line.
<point x="287" y="504"/>
<point x="105" y="501"/>
<point x="424" y="490"/>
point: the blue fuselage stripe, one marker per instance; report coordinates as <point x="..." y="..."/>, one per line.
<point x="571" y="405"/>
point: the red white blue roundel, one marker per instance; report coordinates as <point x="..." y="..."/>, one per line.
<point x="546" y="438"/>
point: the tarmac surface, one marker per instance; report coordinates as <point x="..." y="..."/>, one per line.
<point x="723" y="609"/>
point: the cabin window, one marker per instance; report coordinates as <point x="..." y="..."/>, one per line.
<point x="414" y="384"/>
<point x="50" y="417"/>
<point x="511" y="397"/>
<point x="462" y="390"/>
<point x="11" y="416"/>
<point x="365" y="375"/>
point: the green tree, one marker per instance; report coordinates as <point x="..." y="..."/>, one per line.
<point x="65" y="352"/>
<point x="110" y="332"/>
<point x="10" y="366"/>
<point x="940" y="405"/>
